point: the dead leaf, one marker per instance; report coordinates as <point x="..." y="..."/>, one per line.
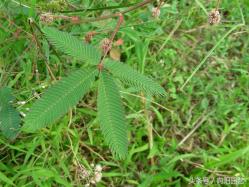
<point x="115" y="54"/>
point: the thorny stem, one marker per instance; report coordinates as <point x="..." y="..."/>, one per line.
<point x="97" y="9"/>
<point x="137" y="6"/>
<point x="120" y="21"/>
<point x="115" y="14"/>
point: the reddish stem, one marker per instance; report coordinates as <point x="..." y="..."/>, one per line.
<point x="120" y="21"/>
<point x="113" y="15"/>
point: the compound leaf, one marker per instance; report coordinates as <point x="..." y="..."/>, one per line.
<point x="130" y="76"/>
<point x="58" y="99"/>
<point x="111" y="116"/>
<point x="72" y="46"/>
<point x="9" y="116"/>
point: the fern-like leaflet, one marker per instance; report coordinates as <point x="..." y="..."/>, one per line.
<point x="9" y="117"/>
<point x="58" y="99"/>
<point x="129" y="76"/>
<point x="111" y="115"/>
<point x="72" y="46"/>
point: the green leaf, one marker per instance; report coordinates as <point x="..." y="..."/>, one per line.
<point x="9" y="117"/>
<point x="111" y="116"/>
<point x="72" y="46"/>
<point x="134" y="78"/>
<point x="228" y="158"/>
<point x="58" y="99"/>
<point x="5" y="179"/>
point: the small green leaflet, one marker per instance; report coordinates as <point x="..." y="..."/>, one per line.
<point x="9" y="117"/>
<point x="111" y="116"/>
<point x="131" y="77"/>
<point x="58" y="99"/>
<point x="72" y="46"/>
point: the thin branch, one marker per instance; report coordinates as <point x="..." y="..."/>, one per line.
<point x="117" y="14"/>
<point x="32" y="22"/>
<point x="45" y="58"/>
<point x="96" y="9"/>
<point x="138" y="96"/>
<point x="21" y="4"/>
<point x="91" y="150"/>
<point x="120" y="21"/>
<point x="139" y="5"/>
<point x="177" y="25"/>
<point x="200" y="166"/>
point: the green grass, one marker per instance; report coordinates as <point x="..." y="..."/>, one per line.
<point x="203" y="68"/>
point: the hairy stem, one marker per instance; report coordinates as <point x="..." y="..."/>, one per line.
<point x="120" y="21"/>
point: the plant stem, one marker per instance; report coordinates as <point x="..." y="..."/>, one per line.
<point x="196" y="125"/>
<point x="39" y="29"/>
<point x="117" y="14"/>
<point x="149" y="100"/>
<point x="40" y="47"/>
<point x="96" y="9"/>
<point x="120" y="21"/>
<point x="139" y="5"/>
<point x="149" y="130"/>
